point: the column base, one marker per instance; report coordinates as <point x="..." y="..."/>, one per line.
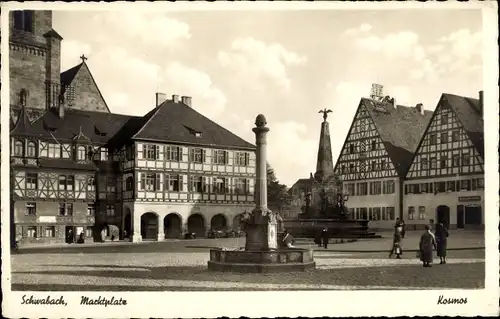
<point x="161" y="237"/>
<point x="136" y="238"/>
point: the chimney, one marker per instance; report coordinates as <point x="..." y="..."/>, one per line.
<point x="481" y="103"/>
<point x="175" y="98"/>
<point x="186" y="100"/>
<point x="61" y="106"/>
<point x="160" y="98"/>
<point x="420" y="108"/>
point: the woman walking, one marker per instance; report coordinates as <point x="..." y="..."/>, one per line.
<point x="396" y="244"/>
<point x="441" y="241"/>
<point x="426" y="245"/>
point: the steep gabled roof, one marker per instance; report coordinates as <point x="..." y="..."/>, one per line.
<point x="400" y="128"/>
<point x="179" y="123"/>
<point x="468" y="112"/>
<point x="24" y="126"/>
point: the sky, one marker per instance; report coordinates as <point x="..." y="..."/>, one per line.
<point x="286" y="65"/>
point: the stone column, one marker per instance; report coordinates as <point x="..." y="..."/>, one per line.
<point x="136" y="227"/>
<point x="261" y="229"/>
<point x="161" y="230"/>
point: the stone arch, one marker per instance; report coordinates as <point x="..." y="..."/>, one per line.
<point x="196" y="224"/>
<point x="127" y="223"/>
<point x="218" y="222"/>
<point x="172" y="225"/>
<point x="23" y="96"/>
<point x="149" y="226"/>
<point x="109" y="232"/>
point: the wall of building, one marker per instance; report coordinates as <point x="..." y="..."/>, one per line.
<point x="87" y="96"/>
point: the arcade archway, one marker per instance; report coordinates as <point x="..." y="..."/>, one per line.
<point x="110" y="232"/>
<point x="218" y="222"/>
<point x="127" y="224"/>
<point x="149" y="226"/>
<point x="443" y="215"/>
<point x="196" y="224"/>
<point x="172" y="225"/>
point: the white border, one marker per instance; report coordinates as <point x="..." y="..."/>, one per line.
<point x="288" y="303"/>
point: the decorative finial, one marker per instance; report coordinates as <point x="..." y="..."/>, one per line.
<point x="325" y="113"/>
<point x="260" y="121"/>
<point x="83" y="57"/>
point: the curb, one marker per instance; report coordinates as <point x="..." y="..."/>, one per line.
<point x="387" y="250"/>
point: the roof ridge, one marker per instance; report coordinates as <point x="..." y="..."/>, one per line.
<point x="97" y="87"/>
<point x="154" y="112"/>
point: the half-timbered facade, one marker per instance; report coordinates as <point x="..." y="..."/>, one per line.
<point x="376" y="155"/>
<point x="78" y="170"/>
<point x="445" y="181"/>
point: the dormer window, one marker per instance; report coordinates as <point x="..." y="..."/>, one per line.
<point x="23" y="20"/>
<point x="23" y="95"/>
<point x="19" y="148"/>
<point x="197" y="134"/>
<point x="31" y="150"/>
<point x="194" y="132"/>
<point x="81" y="153"/>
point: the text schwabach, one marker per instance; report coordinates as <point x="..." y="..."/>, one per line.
<point x="43" y="301"/>
<point x="451" y="301"/>
<point x="103" y="301"/>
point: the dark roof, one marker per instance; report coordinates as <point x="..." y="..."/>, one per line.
<point x="468" y="111"/>
<point x="176" y="122"/>
<point x="23" y="125"/>
<point x="300" y="182"/>
<point x="401" y="129"/>
<point x="66" y="164"/>
<point x="68" y="75"/>
<point x="53" y="34"/>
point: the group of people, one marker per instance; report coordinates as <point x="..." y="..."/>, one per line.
<point x="321" y="238"/>
<point x="429" y="241"/>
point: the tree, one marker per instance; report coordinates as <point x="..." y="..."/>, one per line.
<point x="277" y="194"/>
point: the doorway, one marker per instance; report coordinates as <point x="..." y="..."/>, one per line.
<point x="70" y="234"/>
<point x="443" y="215"/>
<point x="473" y="215"/>
<point x="460" y="216"/>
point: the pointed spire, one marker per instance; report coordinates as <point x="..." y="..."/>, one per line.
<point x="324" y="165"/>
<point x="23" y="125"/>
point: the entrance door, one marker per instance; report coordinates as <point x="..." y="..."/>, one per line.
<point x="443" y="215"/>
<point x="473" y="215"/>
<point x="460" y="216"/>
<point x="70" y="234"/>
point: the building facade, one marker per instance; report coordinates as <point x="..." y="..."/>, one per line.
<point x="445" y="181"/>
<point x="376" y="155"/>
<point x="78" y="170"/>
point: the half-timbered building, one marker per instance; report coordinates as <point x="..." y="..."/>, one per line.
<point x="78" y="170"/>
<point x="376" y="155"/>
<point x="445" y="181"/>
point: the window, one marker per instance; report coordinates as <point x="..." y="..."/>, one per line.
<point x="465" y="159"/>
<point x="110" y="210"/>
<point x="104" y="154"/>
<point x="241" y="158"/>
<point x="421" y="213"/>
<point x="240" y="187"/>
<point x="383" y="165"/>
<point x="465" y="184"/>
<point x="433" y="139"/>
<point x="350" y="189"/>
<point x="65" y="151"/>
<point x="343" y="169"/>
<point x="111" y="184"/>
<point x="351" y="168"/>
<point x="411" y="212"/>
<point x="220" y="157"/>
<point x="362" y="189"/>
<point x="456" y="160"/>
<point x="91" y="184"/>
<point x="31" y="181"/>
<point x="480" y="183"/>
<point x="424" y="163"/>
<point x="31" y="232"/>
<point x="450" y="186"/>
<point x="363" y="213"/>
<point x="375" y="188"/>
<point x="196" y="184"/>
<point x="440" y="187"/>
<point x="197" y="155"/>
<point x="351" y="148"/>
<point x="81" y="154"/>
<point x="444" y="119"/>
<point x="389" y="187"/>
<point x="151" y="151"/>
<point x="23" y="20"/>
<point x="172" y="183"/>
<point x="18" y="148"/>
<point x="173" y="153"/>
<point x="88" y="232"/>
<point x="150" y="181"/>
<point x="91" y="209"/>
<point x="66" y="182"/>
<point x="22" y="97"/>
<point x="31" y="208"/>
<point x="31" y="150"/>
<point x="444" y="137"/>
<point x="455" y="136"/>
<point x="374" y="165"/>
<point x="129" y="183"/>
<point x="433" y="162"/>
<point x="443" y="161"/>
<point x="69" y="209"/>
<point x="374" y="145"/>
<point x="65" y="209"/>
<point x="54" y="151"/>
<point x="376" y="213"/>
<point x="49" y="231"/>
<point x="220" y="185"/>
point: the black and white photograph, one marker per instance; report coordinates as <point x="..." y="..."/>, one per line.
<point x="264" y="159"/>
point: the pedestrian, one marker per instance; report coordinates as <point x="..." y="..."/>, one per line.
<point x="403" y="228"/>
<point x="396" y="244"/>
<point x="426" y="246"/>
<point x="324" y="237"/>
<point x="317" y="238"/>
<point x="441" y="241"/>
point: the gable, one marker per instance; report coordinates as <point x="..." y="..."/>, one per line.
<point x="364" y="154"/>
<point x="446" y="148"/>
<point x="82" y="92"/>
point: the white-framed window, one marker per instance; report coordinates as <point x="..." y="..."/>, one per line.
<point x="66" y="151"/>
<point x="88" y="232"/>
<point x="220" y="185"/>
<point x="31" y="181"/>
<point x="196" y="184"/>
<point x="241" y="158"/>
<point x="150" y="181"/>
<point x="129" y="183"/>
<point x="110" y="210"/>
<point x="172" y="182"/>
<point x="90" y="209"/>
<point x="444" y="161"/>
<point x="66" y="182"/>
<point x="197" y="155"/>
<point x="433" y="139"/>
<point x="390" y="213"/>
<point x="444" y="119"/>
<point x="151" y="151"/>
<point x="376" y="213"/>
<point x="362" y="189"/>
<point x="220" y="157"/>
<point x="465" y="159"/>
<point x="49" y="231"/>
<point x="65" y="209"/>
<point x="433" y="162"/>
<point x="389" y="187"/>
<point x="54" y="150"/>
<point x="455" y="136"/>
<point x="31" y="231"/>
<point x="91" y="184"/>
<point x="31" y="150"/>
<point x="411" y="212"/>
<point x="81" y="153"/>
<point x="240" y="186"/>
<point x="421" y="213"/>
<point x="104" y="154"/>
<point x="444" y="137"/>
<point x="18" y="148"/>
<point x="351" y="189"/>
<point x="375" y="188"/>
<point x="424" y="163"/>
<point x="31" y="208"/>
<point x="173" y="153"/>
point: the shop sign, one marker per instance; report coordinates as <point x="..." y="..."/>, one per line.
<point x="469" y="198"/>
<point x="47" y="219"/>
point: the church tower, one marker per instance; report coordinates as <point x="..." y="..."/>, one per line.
<point x="35" y="50"/>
